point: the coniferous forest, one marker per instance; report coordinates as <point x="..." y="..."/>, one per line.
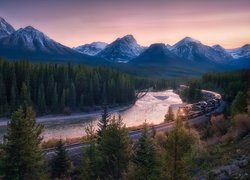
<point x="63" y="88"/>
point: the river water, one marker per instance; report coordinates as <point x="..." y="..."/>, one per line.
<point x="150" y="108"/>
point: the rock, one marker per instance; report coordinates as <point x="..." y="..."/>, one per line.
<point x="216" y="171"/>
<point x="245" y="176"/>
<point x="222" y="176"/>
<point x="232" y="169"/>
<point x="242" y="163"/>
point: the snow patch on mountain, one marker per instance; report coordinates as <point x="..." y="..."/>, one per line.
<point x="222" y="52"/>
<point x="5" y="28"/>
<point x="122" y="50"/>
<point x="242" y="52"/>
<point x="191" y="49"/>
<point x="92" y="48"/>
<point x="29" y="39"/>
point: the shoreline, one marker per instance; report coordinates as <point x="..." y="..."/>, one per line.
<point x="74" y="116"/>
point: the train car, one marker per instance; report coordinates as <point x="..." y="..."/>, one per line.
<point x="194" y="114"/>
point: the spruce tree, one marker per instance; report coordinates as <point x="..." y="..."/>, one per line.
<point x="23" y="158"/>
<point x="72" y="95"/>
<point x="63" y="99"/>
<point x="61" y="165"/>
<point x="239" y="104"/>
<point x="91" y="94"/>
<point x="91" y="156"/>
<point x="55" y="99"/>
<point x="103" y="122"/>
<point x="145" y="160"/>
<point x="82" y="102"/>
<point x="114" y="150"/>
<point x="25" y="95"/>
<point x="13" y="94"/>
<point x="179" y="146"/>
<point x="3" y="97"/>
<point x="41" y="99"/>
<point x="50" y="90"/>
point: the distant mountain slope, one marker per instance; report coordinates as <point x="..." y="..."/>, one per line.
<point x="222" y="52"/>
<point x="194" y="50"/>
<point x="159" y="61"/>
<point x="30" y="43"/>
<point x="5" y="28"/>
<point x="92" y="48"/>
<point x="122" y="50"/>
<point x="156" y="53"/>
<point x="242" y="52"/>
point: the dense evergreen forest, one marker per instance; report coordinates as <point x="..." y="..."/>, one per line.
<point x="57" y="88"/>
<point x="229" y="84"/>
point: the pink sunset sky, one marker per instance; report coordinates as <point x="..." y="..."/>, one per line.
<point x="75" y="22"/>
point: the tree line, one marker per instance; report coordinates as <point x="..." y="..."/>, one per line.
<point x="62" y="88"/>
<point x="234" y="87"/>
<point x="229" y="84"/>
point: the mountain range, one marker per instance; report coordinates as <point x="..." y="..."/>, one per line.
<point x="124" y="53"/>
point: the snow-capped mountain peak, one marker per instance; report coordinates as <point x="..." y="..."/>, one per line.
<point x="122" y="49"/>
<point x="29" y="40"/>
<point x="128" y="38"/>
<point x="194" y="50"/>
<point x="218" y="47"/>
<point x="186" y="41"/>
<point x="92" y="48"/>
<point x="30" y="31"/>
<point x="5" y="28"/>
<point x="29" y="37"/>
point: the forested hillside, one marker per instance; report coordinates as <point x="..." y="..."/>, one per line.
<point x="56" y="88"/>
<point x="227" y="83"/>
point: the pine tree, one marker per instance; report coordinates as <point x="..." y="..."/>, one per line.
<point x="72" y="95"/>
<point x="41" y="99"/>
<point x="63" y="99"/>
<point x="170" y="115"/>
<point x="25" y="95"/>
<point x="61" y="165"/>
<point x="50" y="90"/>
<point x="82" y="102"/>
<point x="13" y="94"/>
<point x="103" y="122"/>
<point x="55" y="99"/>
<point x="3" y="97"/>
<point x="145" y="160"/>
<point x="178" y="147"/>
<point x="239" y="104"/>
<point x="91" y="156"/>
<point x="114" y="150"/>
<point x="91" y="94"/>
<point x="23" y="158"/>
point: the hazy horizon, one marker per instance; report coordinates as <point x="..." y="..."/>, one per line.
<point x="224" y="22"/>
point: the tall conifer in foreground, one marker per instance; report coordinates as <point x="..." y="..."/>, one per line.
<point x="178" y="148"/>
<point x="103" y="122"/>
<point x="145" y="161"/>
<point x="91" y="156"/>
<point x="61" y="165"/>
<point x="114" y="150"/>
<point x="23" y="158"/>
